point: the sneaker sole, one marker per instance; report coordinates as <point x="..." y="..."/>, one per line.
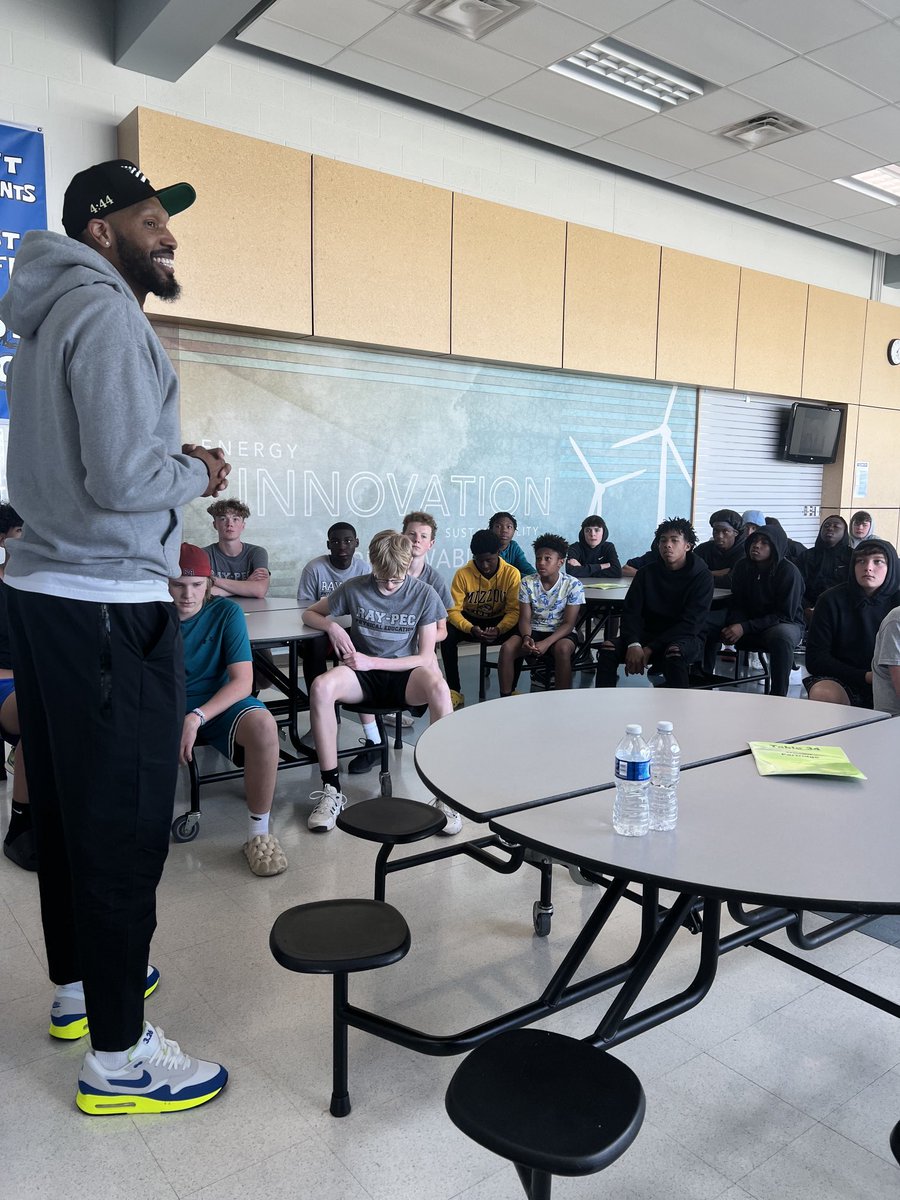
<point x="78" y="1028"/>
<point x="113" y="1105"/>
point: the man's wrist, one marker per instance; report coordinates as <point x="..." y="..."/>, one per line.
<point x="199" y="714"/>
<point x="631" y="645"/>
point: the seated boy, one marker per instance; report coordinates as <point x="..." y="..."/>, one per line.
<point x="549" y="605"/>
<point x="593" y="556"/>
<point x="238" y="568"/>
<point x="764" y="611"/>
<point x="504" y="524"/>
<point x="484" y="605"/>
<point x="886" y="665"/>
<point x="841" y="637"/>
<point x="726" y="546"/>
<point x="319" y="578"/>
<point x="664" y="614"/>
<point x="633" y="565"/>
<point x="219" y="710"/>
<point x="826" y="563"/>
<point x="387" y="659"/>
<point x="421" y="529"/>
<point x="861" y="527"/>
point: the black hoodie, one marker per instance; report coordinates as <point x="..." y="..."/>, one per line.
<point x="591" y="558"/>
<point x="665" y="607"/>
<point x="824" y="566"/>
<point x="723" y="560"/>
<point x="841" y="638"/>
<point x="765" y="596"/>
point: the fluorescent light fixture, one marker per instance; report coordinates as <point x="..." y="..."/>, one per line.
<point x="469" y="18"/>
<point x="631" y="75"/>
<point x="883" y="183"/>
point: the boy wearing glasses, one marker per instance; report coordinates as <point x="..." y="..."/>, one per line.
<point x="386" y="659"/>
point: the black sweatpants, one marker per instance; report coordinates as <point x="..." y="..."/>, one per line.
<point x="100" y="689"/>
<point x="450" y="645"/>
<point x="675" y="668"/>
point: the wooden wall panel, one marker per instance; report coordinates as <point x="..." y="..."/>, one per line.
<point x="244" y="245"/>
<point x="837" y="477"/>
<point x="612" y="299"/>
<point x="770" y="331"/>
<point x="698" y="301"/>
<point x="880" y="385"/>
<point x="507" y="288"/>
<point x="381" y="258"/>
<point x="878" y="443"/>
<point x="833" y="350"/>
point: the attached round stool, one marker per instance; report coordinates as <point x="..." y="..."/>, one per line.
<point x="393" y="821"/>
<point x="335" y="937"/>
<point x="895" y="1141"/>
<point x="550" y="1104"/>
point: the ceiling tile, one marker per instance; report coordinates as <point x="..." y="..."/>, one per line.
<point x="269" y="35"/>
<point x="541" y="36"/>
<point x="419" y="46"/>
<point x="667" y="139"/>
<point x="784" y="211"/>
<point x="888" y="8"/>
<point x="763" y="175"/>
<point x="698" y="181"/>
<point x="342" y="23"/>
<point x="702" y="41"/>
<point x="632" y="160"/>
<point x="808" y="92"/>
<point x="832" y="200"/>
<point x="821" y="155"/>
<point x="607" y="15"/>
<point x="571" y="103"/>
<point x="530" y="124"/>
<point x="716" y="110"/>
<point x="885" y="223"/>
<point x="797" y="25"/>
<point x="878" y="131"/>
<point x="852" y="233"/>
<point x="869" y="58"/>
<point x="398" y="79"/>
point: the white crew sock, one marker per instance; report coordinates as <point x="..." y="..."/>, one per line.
<point x="71" y="991"/>
<point x="112" y="1060"/>
<point x="370" y="729"/>
<point x="257" y="823"/>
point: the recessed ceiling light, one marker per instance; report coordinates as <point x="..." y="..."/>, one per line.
<point x="469" y="18"/>
<point x="632" y="75"/>
<point x="881" y="184"/>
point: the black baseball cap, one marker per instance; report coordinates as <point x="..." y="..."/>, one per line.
<point x="110" y="186"/>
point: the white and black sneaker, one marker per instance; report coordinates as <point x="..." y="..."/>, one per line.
<point x="329" y="807"/>
<point x="454" y="820"/>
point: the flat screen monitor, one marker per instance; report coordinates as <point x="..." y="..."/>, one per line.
<point x="812" y="433"/>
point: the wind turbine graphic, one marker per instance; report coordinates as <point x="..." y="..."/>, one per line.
<point x="596" y="506"/>
<point x="666" y="446"/>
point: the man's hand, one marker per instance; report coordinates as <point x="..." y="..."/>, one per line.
<point x="216" y="466"/>
<point x="489" y="633"/>
<point x="260" y="574"/>
<point x="573" y="562"/>
<point x="636" y="659"/>
<point x="188" y="737"/>
<point x="732" y="634"/>
<point x="356" y="661"/>
<point x="340" y="640"/>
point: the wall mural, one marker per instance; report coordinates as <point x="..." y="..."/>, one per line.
<point x="317" y="432"/>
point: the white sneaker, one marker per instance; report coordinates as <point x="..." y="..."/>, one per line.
<point x="330" y="804"/>
<point x="454" y="820"/>
<point x="407" y="720"/>
<point x="158" y="1077"/>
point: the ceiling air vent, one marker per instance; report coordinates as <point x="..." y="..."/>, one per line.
<point x="764" y="130"/>
<point x="469" y="18"/>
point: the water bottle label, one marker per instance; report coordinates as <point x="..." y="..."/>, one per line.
<point x="633" y="771"/>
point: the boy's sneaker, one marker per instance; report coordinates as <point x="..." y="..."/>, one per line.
<point x="454" y="820"/>
<point x="158" y="1077"/>
<point x="407" y="720"/>
<point x="330" y="804"/>
<point x="366" y="759"/>
<point x="457" y="699"/>
<point x="68" y="1019"/>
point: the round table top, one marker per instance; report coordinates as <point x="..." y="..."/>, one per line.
<point x="509" y="754"/>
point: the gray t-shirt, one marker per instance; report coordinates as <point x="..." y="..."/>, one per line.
<point x="319" y="578"/>
<point x="386" y="626"/>
<point x="238" y="566"/>
<point x="438" y="582"/>
<point x="887" y="655"/>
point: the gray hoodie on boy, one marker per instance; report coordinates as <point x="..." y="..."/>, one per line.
<point x="94" y="465"/>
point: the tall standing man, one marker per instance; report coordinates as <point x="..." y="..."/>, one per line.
<point x="98" y="472"/>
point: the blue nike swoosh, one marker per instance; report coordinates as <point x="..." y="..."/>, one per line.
<point x="135" y="1083"/>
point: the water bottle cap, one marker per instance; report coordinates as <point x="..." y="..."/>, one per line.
<point x="633" y="729"/>
<point x="664" y="726"/>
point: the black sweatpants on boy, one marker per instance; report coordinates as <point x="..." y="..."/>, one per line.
<point x="450" y="645"/>
<point x="675" y="668"/>
<point x="100" y="690"/>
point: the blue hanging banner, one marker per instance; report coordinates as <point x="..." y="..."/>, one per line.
<point x="23" y="206"/>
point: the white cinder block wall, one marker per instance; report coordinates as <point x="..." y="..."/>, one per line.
<point x="55" y="72"/>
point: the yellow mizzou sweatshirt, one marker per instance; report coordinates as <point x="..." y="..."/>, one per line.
<point x="496" y="598"/>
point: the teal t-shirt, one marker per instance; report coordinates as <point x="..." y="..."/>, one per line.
<point x="214" y="638"/>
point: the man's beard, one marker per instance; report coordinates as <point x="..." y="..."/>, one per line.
<point x="142" y="271"/>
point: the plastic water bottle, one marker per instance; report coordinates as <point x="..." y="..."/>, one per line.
<point x="631" y="808"/>
<point x="665" y="767"/>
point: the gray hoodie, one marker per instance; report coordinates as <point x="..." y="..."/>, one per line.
<point x="94" y="463"/>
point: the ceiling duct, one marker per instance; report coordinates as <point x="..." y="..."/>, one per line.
<point x="764" y="130"/>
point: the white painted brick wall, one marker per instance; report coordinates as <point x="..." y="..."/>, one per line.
<point x="55" y="71"/>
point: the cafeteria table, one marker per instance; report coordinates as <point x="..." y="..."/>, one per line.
<point x="252" y="604"/>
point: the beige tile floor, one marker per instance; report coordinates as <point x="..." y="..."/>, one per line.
<point x="775" y="1087"/>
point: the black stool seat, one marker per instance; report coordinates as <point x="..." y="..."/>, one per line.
<point x="895" y="1141"/>
<point x="392" y="821"/>
<point x="547" y="1102"/>
<point x="331" y="936"/>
